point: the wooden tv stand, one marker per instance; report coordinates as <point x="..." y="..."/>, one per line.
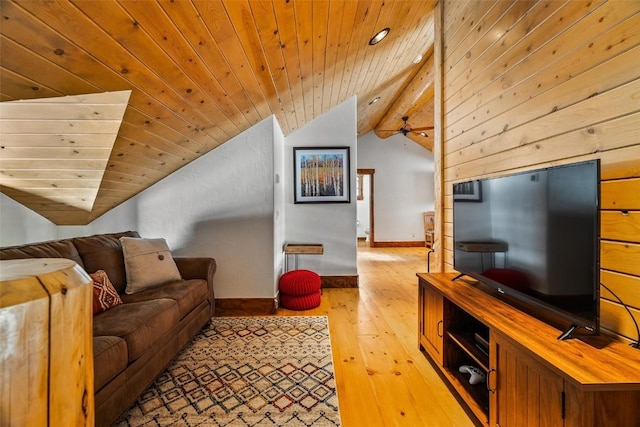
<point x="532" y="377"/>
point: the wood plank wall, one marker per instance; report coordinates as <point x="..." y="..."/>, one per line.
<point x="528" y="84"/>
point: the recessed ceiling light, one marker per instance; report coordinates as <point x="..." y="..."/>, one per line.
<point x="423" y="134"/>
<point x="380" y="35"/>
<point x="417" y="59"/>
<point x="374" y="100"/>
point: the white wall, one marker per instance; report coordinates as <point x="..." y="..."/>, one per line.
<point x="279" y="217"/>
<point x="332" y="224"/>
<point x="403" y="185"/>
<point x="222" y="206"/>
<point x="20" y="225"/>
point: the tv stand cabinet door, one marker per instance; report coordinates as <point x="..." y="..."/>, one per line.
<point x="524" y="392"/>
<point x="431" y="311"/>
<point x="601" y="408"/>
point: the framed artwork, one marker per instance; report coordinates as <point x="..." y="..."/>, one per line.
<point x="469" y="191"/>
<point x="321" y="175"/>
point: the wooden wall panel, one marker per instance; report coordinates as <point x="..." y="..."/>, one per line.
<point x="623" y="194"/>
<point x="620" y="257"/>
<point x="613" y="317"/>
<point x="624" y="286"/>
<point x="619" y="225"/>
<point x="538" y="84"/>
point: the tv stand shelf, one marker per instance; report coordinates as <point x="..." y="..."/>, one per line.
<point x="591" y="381"/>
<point x="465" y="342"/>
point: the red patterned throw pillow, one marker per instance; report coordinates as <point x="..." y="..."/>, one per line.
<point x="105" y="295"/>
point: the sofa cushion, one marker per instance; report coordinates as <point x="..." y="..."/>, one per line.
<point x="52" y="249"/>
<point x="140" y="324"/>
<point x="104" y="252"/>
<point x="148" y="263"/>
<point x="109" y="359"/>
<point x="188" y="294"/>
<point x="104" y="295"/>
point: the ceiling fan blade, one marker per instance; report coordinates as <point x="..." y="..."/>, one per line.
<point x="423" y="128"/>
<point x="421" y="133"/>
<point x="389" y="130"/>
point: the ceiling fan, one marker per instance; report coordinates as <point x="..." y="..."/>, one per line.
<point x="406" y="129"/>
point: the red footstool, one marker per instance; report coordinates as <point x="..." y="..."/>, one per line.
<point x="299" y="290"/>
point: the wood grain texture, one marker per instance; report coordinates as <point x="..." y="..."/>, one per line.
<point x="339" y="281"/>
<point x="573" y="359"/>
<point x="200" y="72"/>
<point x="398" y="244"/>
<point x="301" y="249"/>
<point x="53" y="335"/>
<point x="246" y="306"/>
<point x="598" y="409"/>
<point x="620" y="257"/>
<point x="535" y="84"/>
<point x="430" y="322"/>
<point x="39" y="133"/>
<point x="24" y="365"/>
<point x="530" y="375"/>
<point x="382" y="378"/>
<point x="526" y="392"/>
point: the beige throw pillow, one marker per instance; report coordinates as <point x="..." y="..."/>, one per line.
<point x="148" y="263"/>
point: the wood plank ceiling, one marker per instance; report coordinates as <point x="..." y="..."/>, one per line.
<point x="199" y="72"/>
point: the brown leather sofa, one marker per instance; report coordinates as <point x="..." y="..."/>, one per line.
<point x="134" y="341"/>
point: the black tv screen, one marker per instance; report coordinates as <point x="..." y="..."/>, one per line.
<point x="534" y="237"/>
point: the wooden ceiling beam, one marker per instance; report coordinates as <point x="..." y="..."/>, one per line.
<point x="412" y="100"/>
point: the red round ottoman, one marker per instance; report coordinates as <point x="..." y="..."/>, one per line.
<point x="299" y="290"/>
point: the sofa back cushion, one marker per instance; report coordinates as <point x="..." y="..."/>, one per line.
<point x="104" y="252"/>
<point x="52" y="249"/>
<point x="148" y="263"/>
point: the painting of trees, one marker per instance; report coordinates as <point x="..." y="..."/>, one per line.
<point x="322" y="175"/>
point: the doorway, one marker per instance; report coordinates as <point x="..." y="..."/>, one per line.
<point x="365" y="207"/>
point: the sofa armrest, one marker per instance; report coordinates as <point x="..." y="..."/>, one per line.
<point x="199" y="268"/>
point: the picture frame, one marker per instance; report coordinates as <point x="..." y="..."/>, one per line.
<point x="321" y="175"/>
<point x="469" y="191"/>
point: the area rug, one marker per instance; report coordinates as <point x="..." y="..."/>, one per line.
<point x="246" y="371"/>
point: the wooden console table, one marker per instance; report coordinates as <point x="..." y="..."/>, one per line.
<point x="296" y="249"/>
<point x="46" y="341"/>
<point x="531" y="377"/>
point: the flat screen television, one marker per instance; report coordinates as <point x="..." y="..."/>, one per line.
<point x="534" y="238"/>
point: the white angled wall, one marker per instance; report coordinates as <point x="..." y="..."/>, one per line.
<point x="20" y="225"/>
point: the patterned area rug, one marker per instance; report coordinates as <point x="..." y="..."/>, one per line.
<point x="246" y="371"/>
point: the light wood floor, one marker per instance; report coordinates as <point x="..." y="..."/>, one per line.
<point x="382" y="378"/>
